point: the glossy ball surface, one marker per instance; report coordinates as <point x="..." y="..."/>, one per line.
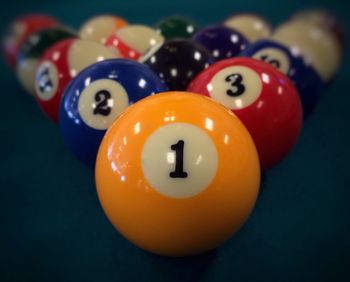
<point x="252" y="26"/>
<point x="221" y="41"/>
<point x="317" y="45"/>
<point x="59" y="65"/>
<point x="20" y="29"/>
<point x="99" y="28"/>
<point x="96" y="97"/>
<point x="178" y="61"/>
<point x="31" y="51"/>
<point x="307" y="81"/>
<point x="262" y="97"/>
<point x="133" y="41"/>
<point x="177" y="174"/>
<point x="176" y="27"/>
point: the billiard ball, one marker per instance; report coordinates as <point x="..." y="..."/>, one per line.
<point x="132" y="41"/>
<point x="59" y="64"/>
<point x="307" y="81"/>
<point x="252" y="26"/>
<point x="177" y="61"/>
<point x="177" y="174"/>
<point x="176" y="27"/>
<point x="96" y="97"/>
<point x="221" y="41"/>
<point x="262" y="97"/>
<point x="32" y="49"/>
<point x="317" y="45"/>
<point x="100" y="27"/>
<point x="20" y="29"/>
<point x="325" y="19"/>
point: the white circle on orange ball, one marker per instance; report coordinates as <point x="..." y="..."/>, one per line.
<point x="179" y="160"/>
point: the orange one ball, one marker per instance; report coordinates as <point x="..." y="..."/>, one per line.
<point x="177" y="174"/>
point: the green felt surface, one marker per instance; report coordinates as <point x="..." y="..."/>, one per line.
<point x="52" y="227"/>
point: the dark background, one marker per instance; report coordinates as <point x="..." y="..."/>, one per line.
<point x="52" y="227"/>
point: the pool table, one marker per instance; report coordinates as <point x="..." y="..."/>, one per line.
<point x="52" y="227"/>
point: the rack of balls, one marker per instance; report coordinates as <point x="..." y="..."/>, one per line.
<point x="177" y="120"/>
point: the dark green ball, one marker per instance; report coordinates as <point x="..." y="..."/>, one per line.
<point x="176" y="27"/>
<point x="40" y="41"/>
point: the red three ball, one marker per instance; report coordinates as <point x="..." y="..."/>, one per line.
<point x="263" y="98"/>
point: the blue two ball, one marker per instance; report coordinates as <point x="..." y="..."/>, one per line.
<point x="138" y="80"/>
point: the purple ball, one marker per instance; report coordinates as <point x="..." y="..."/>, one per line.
<point x="221" y="41"/>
